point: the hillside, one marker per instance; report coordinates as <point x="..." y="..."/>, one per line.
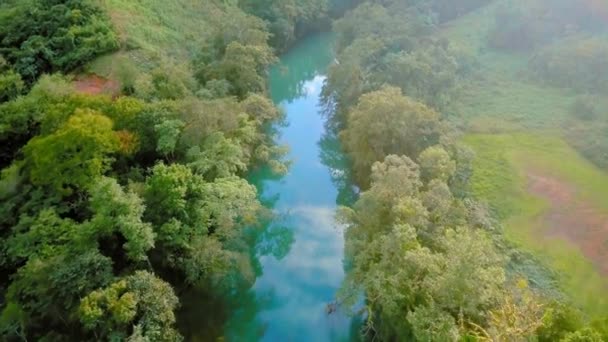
<point x="127" y="128"/>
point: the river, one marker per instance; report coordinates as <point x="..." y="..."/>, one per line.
<point x="302" y="276"/>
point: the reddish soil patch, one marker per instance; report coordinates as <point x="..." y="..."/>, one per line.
<point x="573" y="219"/>
<point x="96" y="85"/>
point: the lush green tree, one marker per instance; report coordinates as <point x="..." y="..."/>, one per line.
<point x="40" y="36"/>
<point x="138" y="307"/>
<point x="519" y="316"/>
<point x="574" y="63"/>
<point x="47" y="236"/>
<point x="11" y="84"/>
<point x="559" y="319"/>
<point x="436" y="163"/>
<point x="237" y="55"/>
<point x="199" y="224"/>
<point x="115" y="211"/>
<point x="45" y="293"/>
<point x="168" y="133"/>
<point x="218" y="157"/>
<point x="243" y="67"/>
<point x="472" y="276"/>
<point x="386" y="122"/>
<point x="419" y="280"/>
<point x="430" y="323"/>
<point x="288" y="19"/>
<point x="73" y="156"/>
<point x="240" y="123"/>
<point x="169" y="82"/>
<point x="20" y="119"/>
<point x="428" y="73"/>
<point x="394" y="27"/>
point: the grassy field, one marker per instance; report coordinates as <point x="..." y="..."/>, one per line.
<point x="500" y="179"/>
<point x="155" y="30"/>
<point x="517" y="124"/>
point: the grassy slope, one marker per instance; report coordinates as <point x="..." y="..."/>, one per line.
<point x="502" y="99"/>
<point x="500" y="179"/>
<point x="155" y="29"/>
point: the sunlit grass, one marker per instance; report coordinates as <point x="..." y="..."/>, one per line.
<point x="500" y="179"/>
<point x="154" y="29"/>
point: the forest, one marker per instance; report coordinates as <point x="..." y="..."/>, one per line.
<point x="427" y="98"/>
<point x="128" y="130"/>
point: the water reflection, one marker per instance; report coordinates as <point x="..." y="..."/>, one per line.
<point x="301" y="249"/>
<point x="332" y="156"/>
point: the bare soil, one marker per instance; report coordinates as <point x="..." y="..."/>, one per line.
<point x="572" y="218"/>
<point x="97" y="85"/>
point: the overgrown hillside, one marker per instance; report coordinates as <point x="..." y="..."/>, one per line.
<point x="126" y="128"/>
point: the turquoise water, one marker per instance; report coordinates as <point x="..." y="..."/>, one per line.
<point x="301" y="276"/>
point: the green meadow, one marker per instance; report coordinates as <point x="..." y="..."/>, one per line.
<point x="501" y="164"/>
<point x="516" y="124"/>
<point x="153" y="30"/>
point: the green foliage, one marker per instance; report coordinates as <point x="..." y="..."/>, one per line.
<point x="388" y="43"/>
<point x="239" y="60"/>
<point x="288" y="19"/>
<point x="198" y="222"/>
<point x="583" y="335"/>
<point x="575" y="63"/>
<point x="386" y="122"/>
<point x="430" y="323"/>
<point x="168" y="134"/>
<point x="141" y="301"/>
<point x="419" y="278"/>
<point x="39" y="36"/>
<point x="558" y="321"/>
<point x="47" y="290"/>
<point x="517" y="317"/>
<point x="48" y="235"/>
<point x="170" y="82"/>
<point x="117" y="211"/>
<point x="428" y="73"/>
<point x="73" y="156"/>
<point x="219" y="157"/>
<point x="436" y="163"/>
<point x="11" y="84"/>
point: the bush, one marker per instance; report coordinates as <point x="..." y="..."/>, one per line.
<point x="42" y="36"/>
<point x="11" y="84"/>
<point x="580" y="64"/>
<point x="583" y="108"/>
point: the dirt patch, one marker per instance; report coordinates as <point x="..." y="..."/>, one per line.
<point x="572" y="218"/>
<point x="96" y="85"/>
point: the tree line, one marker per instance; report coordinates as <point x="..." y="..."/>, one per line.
<point x="430" y="260"/>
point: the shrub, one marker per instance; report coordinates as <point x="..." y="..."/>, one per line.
<point x="574" y="63"/>
<point x="41" y="36"/>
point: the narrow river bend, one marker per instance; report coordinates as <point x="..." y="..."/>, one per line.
<point x="296" y="284"/>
